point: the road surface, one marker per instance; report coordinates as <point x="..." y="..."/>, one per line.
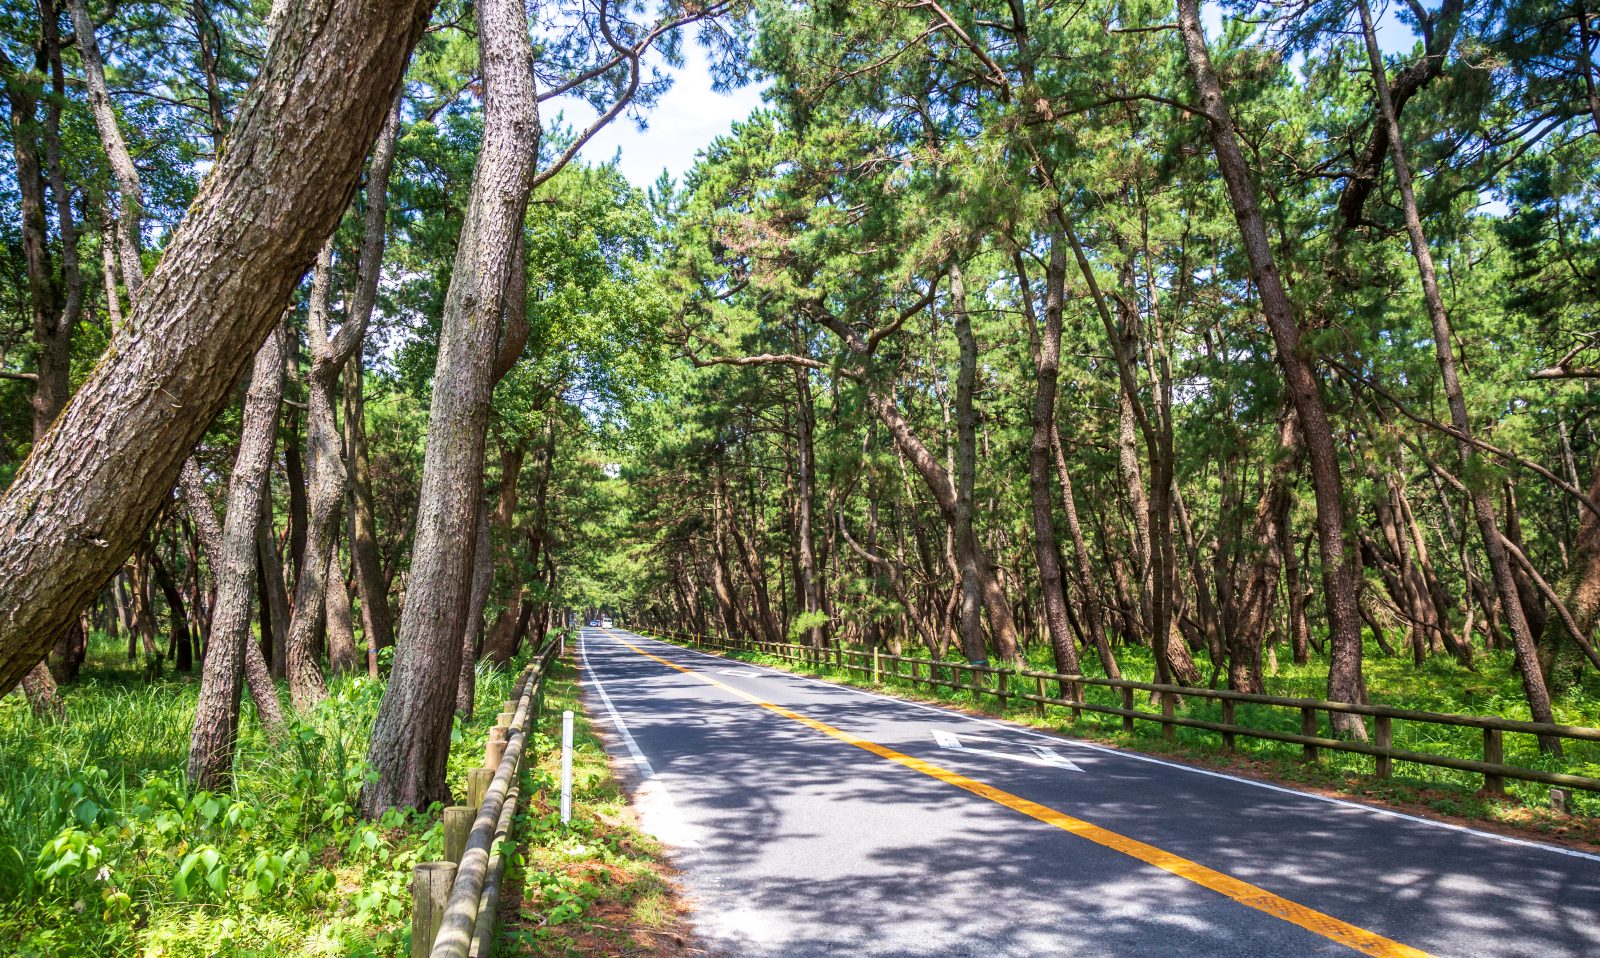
<point x="815" y="819"/>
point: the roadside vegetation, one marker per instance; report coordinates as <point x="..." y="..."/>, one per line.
<point x="106" y="850"/>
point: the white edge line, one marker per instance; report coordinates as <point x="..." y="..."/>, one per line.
<point x="651" y="800"/>
<point x="646" y="770"/>
<point x="1136" y="756"/>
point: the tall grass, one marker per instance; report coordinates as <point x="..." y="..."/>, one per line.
<point x="106" y="850"/>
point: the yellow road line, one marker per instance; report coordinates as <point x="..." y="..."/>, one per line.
<point x="1351" y="936"/>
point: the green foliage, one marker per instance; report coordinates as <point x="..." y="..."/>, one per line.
<point x="106" y="850"/>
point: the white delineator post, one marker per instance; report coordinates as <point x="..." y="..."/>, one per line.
<point x="566" y="767"/>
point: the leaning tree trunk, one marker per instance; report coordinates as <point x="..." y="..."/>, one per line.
<point x="116" y="149"/>
<point x="324" y="496"/>
<point x="1533" y="680"/>
<point x="1345" y="682"/>
<point x="411" y="738"/>
<point x="233" y="567"/>
<point x="293" y="160"/>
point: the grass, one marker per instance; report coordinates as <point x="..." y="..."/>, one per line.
<point x="1440" y="685"/>
<point x="597" y="886"/>
<point x="106" y="851"/>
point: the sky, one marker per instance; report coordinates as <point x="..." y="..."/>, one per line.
<point x="681" y="124"/>
<point x="691" y="114"/>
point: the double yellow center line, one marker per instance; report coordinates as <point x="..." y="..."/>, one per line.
<point x="1251" y="896"/>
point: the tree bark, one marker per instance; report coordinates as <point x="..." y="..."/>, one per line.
<point x="1092" y="608"/>
<point x="805" y="505"/>
<point x="232" y="551"/>
<point x="1345" y="682"/>
<point x="411" y="738"/>
<point x="377" y="620"/>
<point x="1047" y="369"/>
<point x="222" y="284"/>
<point x="129" y="191"/>
<point x="1527" y="658"/>
<point x="274" y="597"/>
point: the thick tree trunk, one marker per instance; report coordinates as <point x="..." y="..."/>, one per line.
<point x="221" y="286"/>
<point x="212" y="536"/>
<point x="411" y="739"/>
<point x="342" y="655"/>
<point x="1345" y="682"/>
<point x="232" y="551"/>
<point x="966" y="538"/>
<point x="324" y="493"/>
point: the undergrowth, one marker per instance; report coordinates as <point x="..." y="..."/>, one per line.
<point x="105" y="850"/>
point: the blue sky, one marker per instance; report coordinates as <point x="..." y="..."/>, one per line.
<point x="682" y="123"/>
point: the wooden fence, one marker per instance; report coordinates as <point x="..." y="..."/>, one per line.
<point x="453" y="901"/>
<point x="1027" y="685"/>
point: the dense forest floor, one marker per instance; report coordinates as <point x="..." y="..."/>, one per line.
<point x="1440" y="685"/>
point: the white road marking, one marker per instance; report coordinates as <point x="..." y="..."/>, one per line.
<point x="742" y="673"/>
<point x="1041" y="755"/>
<point x="1135" y="756"/>
<point x="657" y="812"/>
<point x="1050" y="757"/>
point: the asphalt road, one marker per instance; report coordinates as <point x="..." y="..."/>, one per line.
<point x="815" y="819"/>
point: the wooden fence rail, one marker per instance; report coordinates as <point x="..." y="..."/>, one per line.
<point x="1027" y="685"/>
<point x="454" y="902"/>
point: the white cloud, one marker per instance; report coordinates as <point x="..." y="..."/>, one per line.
<point x="681" y="123"/>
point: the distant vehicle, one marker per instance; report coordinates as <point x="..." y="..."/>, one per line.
<point x="594" y="622"/>
<point x="605" y="622"/>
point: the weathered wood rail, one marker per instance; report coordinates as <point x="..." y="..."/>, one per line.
<point x="454" y="901"/>
<point x="1028" y="685"/>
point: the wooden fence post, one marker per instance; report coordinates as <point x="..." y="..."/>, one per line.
<point x="1167" y="707"/>
<point x="1038" y="685"/>
<point x="1127" y="703"/>
<point x="478" y="782"/>
<point x="430" y="891"/>
<point x="495" y="748"/>
<point x="1385" y="739"/>
<point x="1494" y="754"/>
<point x="1002" y="692"/>
<point x="1227" y="719"/>
<point x="1308" y="727"/>
<point x="457" y="826"/>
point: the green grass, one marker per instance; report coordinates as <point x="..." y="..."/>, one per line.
<point x="1440" y="685"/>
<point x="105" y="850"/>
<point x="597" y="886"/>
